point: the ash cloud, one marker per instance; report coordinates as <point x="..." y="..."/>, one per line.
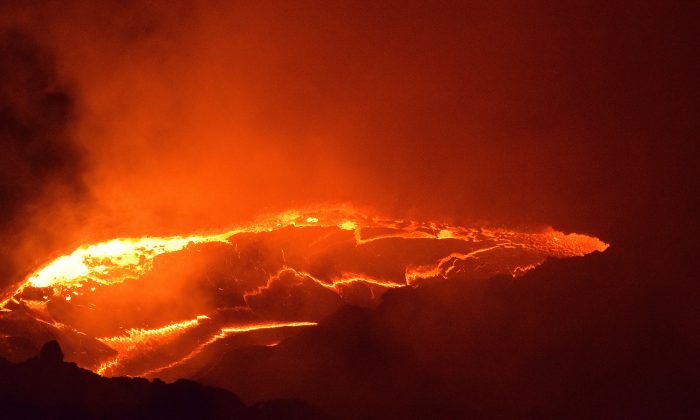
<point x="40" y="164"/>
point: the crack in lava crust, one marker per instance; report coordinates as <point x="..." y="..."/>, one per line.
<point x="113" y="304"/>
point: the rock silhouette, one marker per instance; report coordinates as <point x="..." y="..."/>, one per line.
<point x="581" y="338"/>
<point x="47" y="387"/>
<point x="51" y="353"/>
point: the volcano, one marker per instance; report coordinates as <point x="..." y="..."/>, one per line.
<point x="354" y="210"/>
<point x="150" y="306"/>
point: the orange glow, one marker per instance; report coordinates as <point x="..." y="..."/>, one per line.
<point x="112" y="261"/>
<point x="136" y="339"/>
<point x="297" y="267"/>
<point x="120" y="259"/>
<point x="266" y="326"/>
<point x="138" y="336"/>
<point x="223" y="333"/>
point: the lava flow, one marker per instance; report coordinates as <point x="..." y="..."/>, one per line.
<point x="151" y="306"/>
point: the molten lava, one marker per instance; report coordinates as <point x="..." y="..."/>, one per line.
<point x="148" y="306"/>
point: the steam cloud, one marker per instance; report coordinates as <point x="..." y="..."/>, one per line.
<point x="151" y="118"/>
<point x="40" y="164"/>
<point x="202" y="114"/>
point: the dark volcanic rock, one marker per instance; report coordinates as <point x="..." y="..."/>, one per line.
<point x="23" y="332"/>
<point x="51" y="353"/>
<point x="47" y="387"/>
<point x="610" y="335"/>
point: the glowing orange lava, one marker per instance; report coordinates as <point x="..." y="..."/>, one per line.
<point x="139" y="340"/>
<point x="281" y="272"/>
